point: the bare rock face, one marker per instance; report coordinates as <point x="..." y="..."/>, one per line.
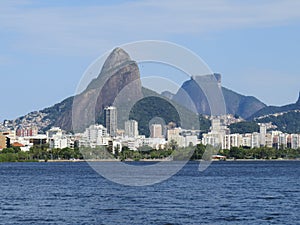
<point x="116" y="59"/>
<point x="117" y="72"/>
<point x="119" y="82"/>
<point x="191" y="94"/>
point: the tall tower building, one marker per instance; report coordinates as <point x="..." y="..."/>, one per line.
<point x="156" y="131"/>
<point x="131" y="128"/>
<point x="263" y="133"/>
<point x="111" y="120"/>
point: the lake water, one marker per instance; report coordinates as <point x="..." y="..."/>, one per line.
<point x="226" y="193"/>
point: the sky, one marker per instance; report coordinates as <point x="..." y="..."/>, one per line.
<point x="46" y="46"/>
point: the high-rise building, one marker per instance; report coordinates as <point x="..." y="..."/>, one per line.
<point x="111" y="120"/>
<point x="131" y="128"/>
<point x="263" y="133"/>
<point x="156" y="131"/>
<point x="3" y="141"/>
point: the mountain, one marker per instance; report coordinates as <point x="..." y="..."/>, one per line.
<point x="241" y="105"/>
<point x="191" y="94"/>
<point x="117" y="72"/>
<point x="118" y="83"/>
<point x="277" y="109"/>
<point x="288" y="122"/>
<point x="168" y="110"/>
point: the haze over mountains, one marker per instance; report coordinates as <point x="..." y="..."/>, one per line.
<point x="118" y="71"/>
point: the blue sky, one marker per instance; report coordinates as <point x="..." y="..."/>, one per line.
<point x="46" y="46"/>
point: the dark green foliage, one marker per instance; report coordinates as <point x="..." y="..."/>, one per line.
<point x="11" y="150"/>
<point x="205" y="124"/>
<point x="192" y="152"/>
<point x="237" y="153"/>
<point x="15" y="155"/>
<point x="288" y="122"/>
<point x="65" y="153"/>
<point x="157" y="106"/>
<point x="260" y="153"/>
<point x="244" y="127"/>
<point x="151" y="107"/>
<point x="199" y="151"/>
<point x="127" y="154"/>
<point x="100" y="152"/>
<point x="36" y="153"/>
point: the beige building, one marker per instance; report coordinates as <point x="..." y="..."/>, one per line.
<point x="156" y="131"/>
<point x="2" y="140"/>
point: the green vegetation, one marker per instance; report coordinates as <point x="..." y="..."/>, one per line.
<point x="126" y="154"/>
<point x="37" y="153"/>
<point x="244" y="127"/>
<point x="159" y="108"/>
<point x="261" y="153"/>
<point x="15" y="154"/>
<point x="100" y="152"/>
<point x="144" y="153"/>
<point x="166" y="109"/>
<point x="287" y="122"/>
<point x="197" y="153"/>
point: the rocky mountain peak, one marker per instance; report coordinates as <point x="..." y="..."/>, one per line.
<point x="116" y="58"/>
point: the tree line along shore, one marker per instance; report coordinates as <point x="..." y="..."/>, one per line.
<point x="43" y="153"/>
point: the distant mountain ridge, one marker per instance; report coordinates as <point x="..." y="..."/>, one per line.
<point x="118" y="71"/>
<point x="236" y="104"/>
<point x="288" y="122"/>
<point x="269" y="110"/>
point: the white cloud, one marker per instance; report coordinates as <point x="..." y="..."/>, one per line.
<point x="82" y="29"/>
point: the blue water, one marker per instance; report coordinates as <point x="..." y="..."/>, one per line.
<point x="226" y="193"/>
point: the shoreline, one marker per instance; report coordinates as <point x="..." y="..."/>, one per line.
<point x="151" y="160"/>
<point x="167" y="160"/>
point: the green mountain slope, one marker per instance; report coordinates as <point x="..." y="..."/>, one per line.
<point x="286" y="122"/>
<point x="277" y="109"/>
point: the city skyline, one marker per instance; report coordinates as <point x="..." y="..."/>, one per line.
<point x="46" y="46"/>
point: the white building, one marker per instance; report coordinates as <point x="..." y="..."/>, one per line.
<point x="217" y="136"/>
<point x="232" y="140"/>
<point x="54" y="131"/>
<point x="57" y="138"/>
<point x="182" y="137"/>
<point x="95" y="135"/>
<point x="255" y="140"/>
<point x="295" y="141"/>
<point x="213" y="139"/>
<point x="140" y="141"/>
<point x="262" y="134"/>
<point x="155" y="143"/>
<point x="131" y="128"/>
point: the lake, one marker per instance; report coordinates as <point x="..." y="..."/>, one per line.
<point x="256" y="192"/>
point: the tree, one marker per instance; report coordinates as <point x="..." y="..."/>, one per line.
<point x="199" y="151"/>
<point x="237" y="153"/>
